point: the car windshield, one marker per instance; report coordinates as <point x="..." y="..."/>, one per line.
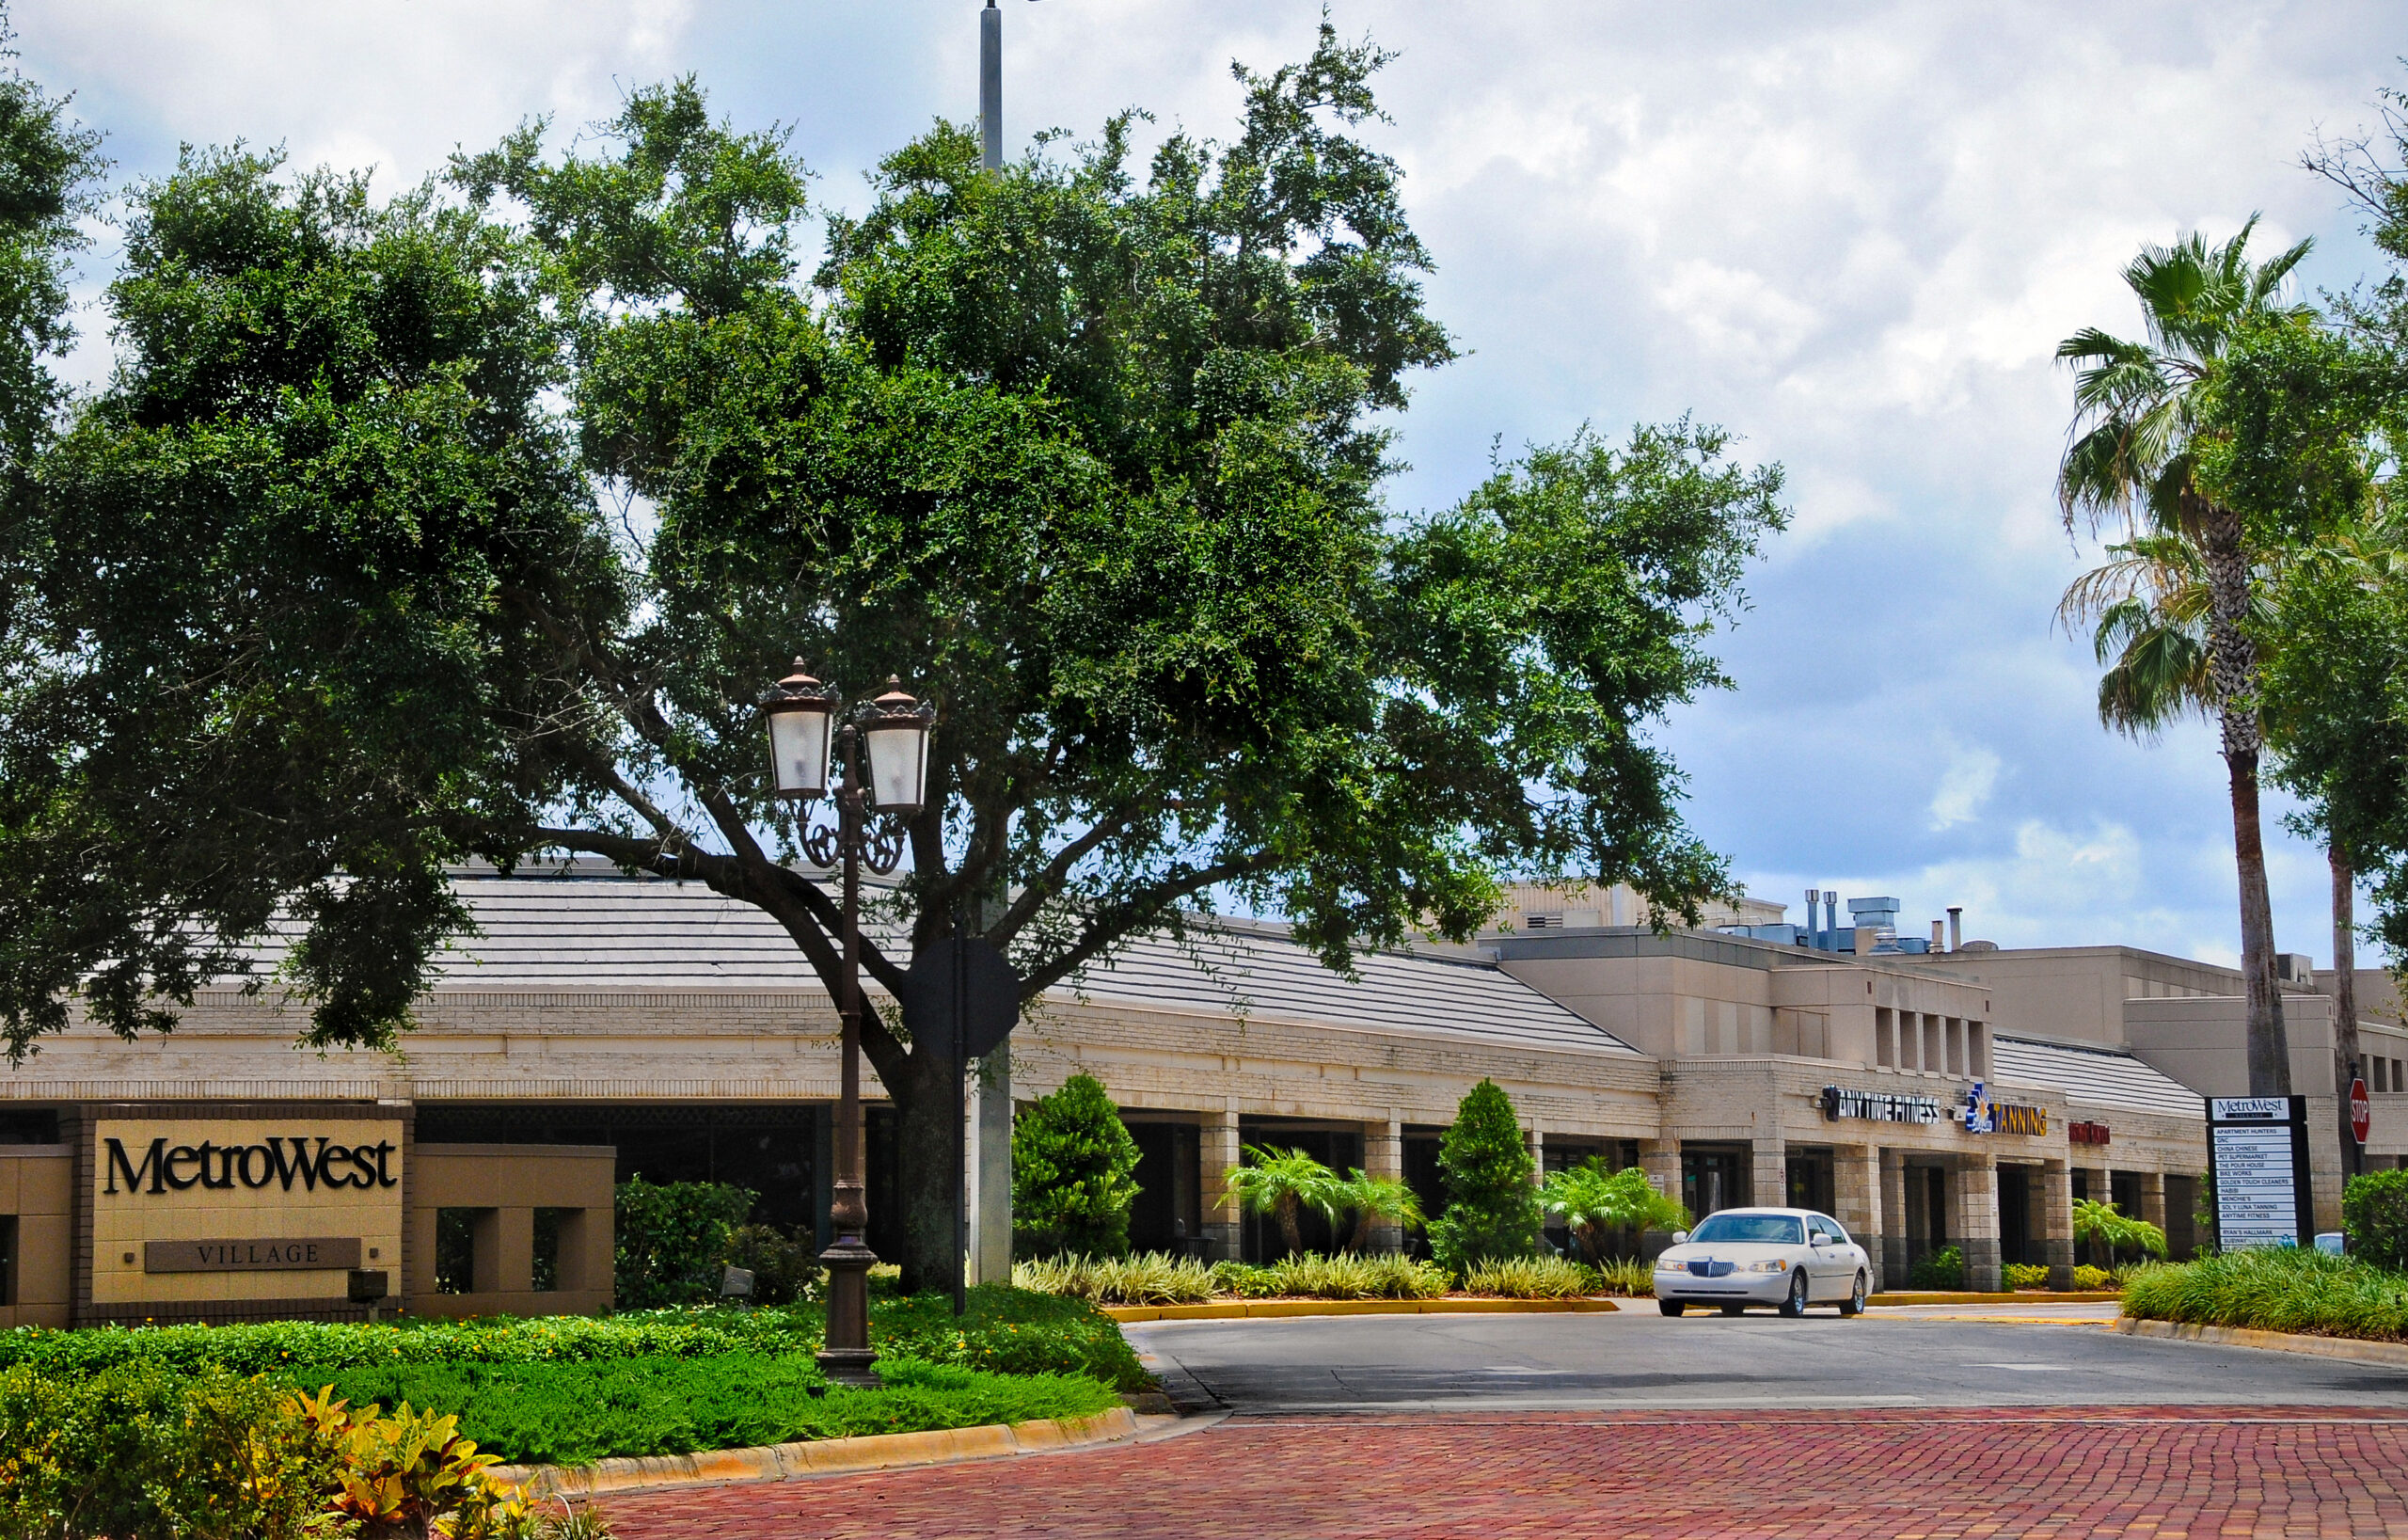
<point x="1760" y="1228"/>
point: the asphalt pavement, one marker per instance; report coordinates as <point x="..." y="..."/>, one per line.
<point x="1953" y="1355"/>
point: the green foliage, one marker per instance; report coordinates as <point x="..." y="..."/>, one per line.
<point x="1592" y="1201"/>
<point x="1006" y="1331"/>
<point x="2276" y="1289"/>
<point x="2103" y="1224"/>
<point x="1941" y="1269"/>
<point x="1310" y="1275"/>
<point x="570" y="1413"/>
<point x="1373" y="1201"/>
<point x="2020" y="1275"/>
<point x="784" y="1268"/>
<point x="1149" y="1278"/>
<point x="1071" y="1164"/>
<point x="140" y="1450"/>
<point x="1492" y="1205"/>
<point x="1530" y="1277"/>
<point x="49" y="167"/>
<point x="2089" y="1281"/>
<point x="2374" y="1216"/>
<point x="1282" y="1183"/>
<point x="1634" y="1277"/>
<point x="672" y="1240"/>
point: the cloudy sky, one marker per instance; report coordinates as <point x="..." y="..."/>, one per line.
<point x="1851" y="232"/>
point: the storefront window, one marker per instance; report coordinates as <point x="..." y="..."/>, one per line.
<point x="1713" y="1179"/>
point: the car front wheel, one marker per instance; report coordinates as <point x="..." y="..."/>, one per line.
<point x="1670" y="1306"/>
<point x="1795" y="1304"/>
<point x="1854" y="1303"/>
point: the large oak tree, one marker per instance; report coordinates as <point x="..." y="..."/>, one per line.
<point x="476" y="523"/>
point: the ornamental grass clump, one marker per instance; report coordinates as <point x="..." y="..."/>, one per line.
<point x="1634" y="1277"/>
<point x="1528" y="1278"/>
<point x="2275" y="1289"/>
<point x="1147" y="1278"/>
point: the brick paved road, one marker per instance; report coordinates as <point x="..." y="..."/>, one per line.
<point x="2152" y="1474"/>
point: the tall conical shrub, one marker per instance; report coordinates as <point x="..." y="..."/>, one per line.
<point x="1492" y="1206"/>
<point x="1071" y="1184"/>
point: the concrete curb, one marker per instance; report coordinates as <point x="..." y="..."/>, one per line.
<point x="821" y="1456"/>
<point x="2021" y="1296"/>
<point x="2357" y="1349"/>
<point x="1255" y="1309"/>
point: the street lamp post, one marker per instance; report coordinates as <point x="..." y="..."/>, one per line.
<point x="804" y="738"/>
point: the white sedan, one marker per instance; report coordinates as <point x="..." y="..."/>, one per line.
<point x="1791" y="1258"/>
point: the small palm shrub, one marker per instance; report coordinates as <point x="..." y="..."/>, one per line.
<point x="1374" y="1199"/>
<point x="1492" y="1205"/>
<point x="1283" y="1184"/>
<point x="1528" y="1278"/>
<point x="1629" y="1275"/>
<point x="2374" y="1216"/>
<point x="1941" y="1269"/>
<point x="1071" y="1183"/>
<point x="2091" y="1281"/>
<point x="2104" y="1225"/>
<point x="1590" y="1201"/>
<point x="2022" y="1274"/>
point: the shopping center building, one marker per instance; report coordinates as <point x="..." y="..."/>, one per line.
<point x="600" y="1026"/>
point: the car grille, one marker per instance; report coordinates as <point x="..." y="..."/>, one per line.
<point x="1711" y="1267"/>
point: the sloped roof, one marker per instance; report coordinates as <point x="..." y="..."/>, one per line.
<point x="2102" y="1077"/>
<point x="607" y="930"/>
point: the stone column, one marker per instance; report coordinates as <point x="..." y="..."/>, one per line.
<point x="1661" y="1160"/>
<point x="1768" y="1181"/>
<point x="2056" y="1221"/>
<point x="1537" y="1154"/>
<point x="1894" y="1217"/>
<point x="1218" y="1151"/>
<point x="1384" y="1156"/>
<point x="1976" y="1220"/>
<point x="2153" y="1198"/>
<point x="1856" y="1194"/>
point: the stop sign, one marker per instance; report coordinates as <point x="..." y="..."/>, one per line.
<point x="2361" y="1111"/>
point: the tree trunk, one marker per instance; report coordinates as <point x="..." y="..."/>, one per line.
<point x="1287" y="1228"/>
<point x="2232" y="666"/>
<point x="2345" y="997"/>
<point x="928" y="1113"/>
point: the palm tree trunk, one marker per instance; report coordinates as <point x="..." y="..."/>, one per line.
<point x="1360" y="1242"/>
<point x="2345" y="995"/>
<point x="1288" y="1230"/>
<point x="2232" y="662"/>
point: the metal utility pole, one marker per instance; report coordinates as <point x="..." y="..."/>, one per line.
<point x="990" y="86"/>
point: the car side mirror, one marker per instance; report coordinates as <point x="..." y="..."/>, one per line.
<point x="1680" y="1237"/>
<point x="1818" y="1238"/>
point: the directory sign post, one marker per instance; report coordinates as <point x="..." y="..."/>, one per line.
<point x="2258" y="1149"/>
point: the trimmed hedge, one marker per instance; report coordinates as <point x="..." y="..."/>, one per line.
<point x="1008" y="1331"/>
<point x="576" y="1412"/>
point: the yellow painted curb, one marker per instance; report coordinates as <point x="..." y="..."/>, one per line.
<point x="2021" y="1296"/>
<point x="1242" y="1309"/>
<point x="816" y="1457"/>
<point x="2357" y="1349"/>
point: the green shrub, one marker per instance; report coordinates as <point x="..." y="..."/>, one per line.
<point x="2091" y="1281"/>
<point x="1071" y="1183"/>
<point x="2026" y="1274"/>
<point x="1149" y="1278"/>
<point x="1530" y="1277"/>
<point x="1310" y="1275"/>
<point x="1006" y="1331"/>
<point x="572" y="1413"/>
<point x="2103" y="1224"/>
<point x="1941" y="1269"/>
<point x="1631" y="1275"/>
<point x="2374" y="1216"/>
<point x="1492" y="1206"/>
<point x="2275" y="1289"/>
<point x="784" y="1269"/>
<point x="2123" y="1275"/>
<point x="1592" y="1201"/>
<point x="672" y="1240"/>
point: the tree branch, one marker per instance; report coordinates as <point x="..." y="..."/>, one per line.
<point x="1119" y="919"/>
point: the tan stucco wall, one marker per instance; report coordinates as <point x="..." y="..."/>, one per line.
<point x="37" y="1186"/>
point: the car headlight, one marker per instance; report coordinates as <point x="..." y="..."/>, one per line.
<point x="1775" y="1266"/>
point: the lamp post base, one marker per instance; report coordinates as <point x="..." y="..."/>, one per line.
<point x="845" y="1355"/>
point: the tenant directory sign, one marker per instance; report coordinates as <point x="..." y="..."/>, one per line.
<point x="2258" y="1146"/>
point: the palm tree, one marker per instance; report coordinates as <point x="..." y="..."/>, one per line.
<point x="2132" y="458"/>
<point x="1280" y="1182"/>
<point x="2102" y="1224"/>
<point x="1374" y="1200"/>
<point x="1591" y="1201"/>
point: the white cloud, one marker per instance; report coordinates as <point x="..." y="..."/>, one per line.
<point x="1964" y="787"/>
